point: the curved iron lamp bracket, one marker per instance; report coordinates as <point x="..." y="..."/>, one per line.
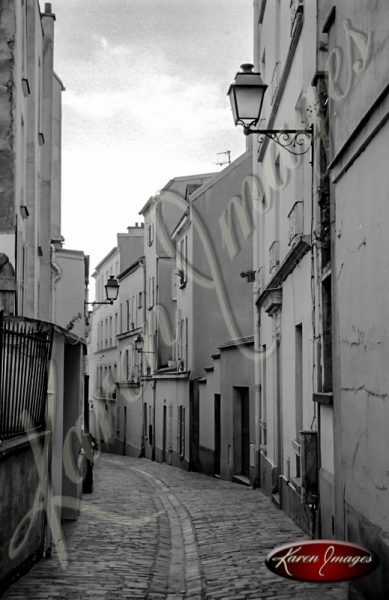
<point x="294" y="141"/>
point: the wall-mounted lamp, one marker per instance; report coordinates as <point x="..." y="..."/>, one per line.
<point x="111" y="291"/>
<point x="139" y="343"/>
<point x="246" y="96"/>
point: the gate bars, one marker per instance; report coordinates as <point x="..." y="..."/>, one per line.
<point x="25" y="351"/>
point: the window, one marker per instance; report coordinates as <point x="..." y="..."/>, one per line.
<point x="186" y="344"/>
<point x="145" y="420"/>
<point x="140" y="300"/>
<point x="133" y="321"/>
<point x="110" y="331"/>
<point x="327" y="335"/>
<point x="126" y="365"/>
<point x="127" y="315"/>
<point x="298" y="392"/>
<point x="180" y="343"/>
<point x="150" y="233"/>
<point x="183" y="261"/>
<point x="151" y="293"/>
<point x="174" y="284"/>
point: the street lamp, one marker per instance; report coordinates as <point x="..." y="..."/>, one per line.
<point x="111" y="291"/>
<point x="246" y="96"/>
<point x="139" y="343"/>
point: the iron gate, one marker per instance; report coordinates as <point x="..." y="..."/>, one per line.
<point x="25" y="351"/>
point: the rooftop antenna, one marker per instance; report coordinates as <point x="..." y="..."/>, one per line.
<point x="227" y="160"/>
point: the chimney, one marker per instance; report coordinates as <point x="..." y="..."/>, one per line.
<point x="48" y="8"/>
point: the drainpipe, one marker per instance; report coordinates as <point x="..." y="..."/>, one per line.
<point x="57" y="276"/>
<point x="257" y="396"/>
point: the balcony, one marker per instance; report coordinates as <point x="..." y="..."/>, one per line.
<point x="274" y="255"/>
<point x="296" y="221"/>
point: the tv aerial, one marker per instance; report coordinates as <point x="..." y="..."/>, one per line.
<point x="226" y="161"/>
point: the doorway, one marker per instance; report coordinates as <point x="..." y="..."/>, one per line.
<point x="245" y="431"/>
<point x="125" y="430"/>
<point x="241" y="424"/>
<point x="164" y="425"/>
<point x="216" y="459"/>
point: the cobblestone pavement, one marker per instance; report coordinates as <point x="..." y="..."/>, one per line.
<point x="155" y="532"/>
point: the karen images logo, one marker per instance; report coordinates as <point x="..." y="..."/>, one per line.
<point x="321" y="561"/>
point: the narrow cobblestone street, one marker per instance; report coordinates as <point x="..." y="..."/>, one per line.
<point x="156" y="532"/>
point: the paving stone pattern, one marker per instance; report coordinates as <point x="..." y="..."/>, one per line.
<point x="156" y="532"/>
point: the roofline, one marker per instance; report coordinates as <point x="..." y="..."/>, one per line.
<point x="243" y="341"/>
<point x="59" y="81"/>
<point x="146" y="206"/>
<point x="106" y="257"/>
<point x="170" y="183"/>
<point x="131" y="268"/>
<point x="208" y="184"/>
<point x="186" y="177"/>
<point x="69" y="251"/>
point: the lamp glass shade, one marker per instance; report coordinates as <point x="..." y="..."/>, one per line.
<point x="246" y="96"/>
<point x="139" y="343"/>
<point x="112" y="288"/>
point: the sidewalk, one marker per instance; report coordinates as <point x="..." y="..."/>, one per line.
<point x="155" y="532"/>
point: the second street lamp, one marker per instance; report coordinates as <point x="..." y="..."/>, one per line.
<point x="139" y="343"/>
<point x="246" y="96"/>
<point x="111" y="291"/>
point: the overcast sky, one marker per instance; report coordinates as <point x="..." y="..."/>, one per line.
<point x="145" y="101"/>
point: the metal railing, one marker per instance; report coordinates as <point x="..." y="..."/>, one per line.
<point x="25" y="351"/>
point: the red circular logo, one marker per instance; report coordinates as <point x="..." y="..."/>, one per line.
<point x="322" y="561"/>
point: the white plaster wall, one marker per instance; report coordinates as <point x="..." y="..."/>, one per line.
<point x="70" y="291"/>
<point x="362" y="261"/>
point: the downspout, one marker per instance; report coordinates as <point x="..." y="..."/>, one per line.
<point x="57" y="276"/>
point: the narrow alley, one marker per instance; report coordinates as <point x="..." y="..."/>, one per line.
<point x="156" y="532"/>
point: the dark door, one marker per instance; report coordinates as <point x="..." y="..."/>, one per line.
<point x="164" y="435"/>
<point x="194" y="426"/>
<point x="245" y="432"/>
<point x="216" y="462"/>
<point x="125" y="430"/>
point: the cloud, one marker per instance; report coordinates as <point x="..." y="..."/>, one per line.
<point x="160" y="104"/>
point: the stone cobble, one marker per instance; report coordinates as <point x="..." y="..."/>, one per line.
<point x="155" y="532"/>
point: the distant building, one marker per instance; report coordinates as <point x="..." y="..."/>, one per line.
<point x="165" y="374"/>
<point x="107" y="322"/>
<point x="132" y="296"/>
<point x="214" y="316"/>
